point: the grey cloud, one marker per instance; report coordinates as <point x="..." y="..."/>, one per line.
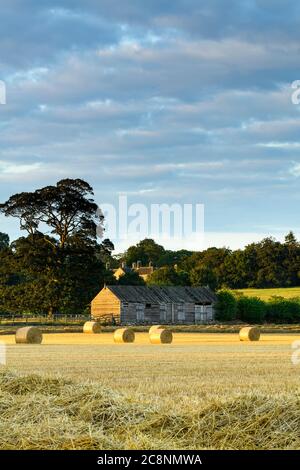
<point x="165" y="100"/>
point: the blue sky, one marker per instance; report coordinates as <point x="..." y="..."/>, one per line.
<point x="181" y="101"/>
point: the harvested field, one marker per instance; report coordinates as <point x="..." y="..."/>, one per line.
<point x="201" y="391"/>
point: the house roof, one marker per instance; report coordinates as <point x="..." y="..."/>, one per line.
<point x="145" y="270"/>
<point x="156" y="294"/>
<point x="125" y="269"/>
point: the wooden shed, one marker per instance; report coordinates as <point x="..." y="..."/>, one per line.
<point x="153" y="304"/>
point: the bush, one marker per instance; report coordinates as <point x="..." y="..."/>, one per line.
<point x="251" y="309"/>
<point x="281" y="310"/>
<point x="226" y="306"/>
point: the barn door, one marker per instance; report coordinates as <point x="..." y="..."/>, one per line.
<point x="140" y="312"/>
<point x="180" y="312"/>
<point x="200" y="313"/>
<point x="209" y="312"/>
<point x="163" y="313"/>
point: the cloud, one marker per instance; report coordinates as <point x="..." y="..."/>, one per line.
<point x="281" y="145"/>
<point x="295" y="170"/>
<point x="7" y="168"/>
<point x="181" y="101"/>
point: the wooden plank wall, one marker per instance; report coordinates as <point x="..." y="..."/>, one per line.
<point x="159" y="313"/>
<point x="105" y="305"/>
<point x="129" y="313"/>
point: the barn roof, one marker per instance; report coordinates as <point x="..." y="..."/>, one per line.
<point x="156" y="294"/>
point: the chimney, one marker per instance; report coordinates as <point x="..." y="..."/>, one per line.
<point x="107" y="266"/>
<point x="133" y="265"/>
<point x="138" y="264"/>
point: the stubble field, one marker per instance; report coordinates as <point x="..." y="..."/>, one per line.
<point x="204" y="391"/>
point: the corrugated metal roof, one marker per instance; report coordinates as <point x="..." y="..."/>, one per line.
<point x="156" y="294"/>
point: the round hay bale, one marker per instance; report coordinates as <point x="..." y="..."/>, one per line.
<point x="29" y="335"/>
<point x="154" y="328"/>
<point x="124" y="335"/>
<point x="92" y="327"/>
<point x="161" y="337"/>
<point x="249" y="333"/>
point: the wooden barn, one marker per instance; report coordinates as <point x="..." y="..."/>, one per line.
<point x="153" y="304"/>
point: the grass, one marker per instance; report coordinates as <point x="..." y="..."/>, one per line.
<point x="233" y="327"/>
<point x="206" y="391"/>
<point x="265" y="294"/>
<point x="64" y="321"/>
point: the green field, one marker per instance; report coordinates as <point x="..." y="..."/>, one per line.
<point x="203" y="391"/>
<point x="265" y="294"/>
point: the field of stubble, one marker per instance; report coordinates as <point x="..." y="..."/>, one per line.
<point x="204" y="391"/>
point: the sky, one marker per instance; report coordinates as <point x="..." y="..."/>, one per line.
<point x="178" y="101"/>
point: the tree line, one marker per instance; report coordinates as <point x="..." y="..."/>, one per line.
<point x="58" y="264"/>
<point x="266" y="264"/>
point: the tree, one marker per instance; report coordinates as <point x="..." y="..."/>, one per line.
<point x="291" y="262"/>
<point x="171" y="258"/>
<point x="235" y="270"/>
<point x="131" y="279"/>
<point x="270" y="257"/>
<point x="28" y="272"/>
<point x="207" y="267"/>
<point x="106" y="247"/>
<point x="105" y="253"/>
<point x="268" y="263"/>
<point x="204" y="275"/>
<point x="168" y="276"/>
<point x="290" y="239"/>
<point x="145" y="251"/>
<point x="4" y="241"/>
<point x="62" y="271"/>
<point x="66" y="208"/>
<point x="36" y="282"/>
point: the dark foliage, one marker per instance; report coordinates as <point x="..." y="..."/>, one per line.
<point x="251" y="309"/>
<point x="226" y="306"/>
